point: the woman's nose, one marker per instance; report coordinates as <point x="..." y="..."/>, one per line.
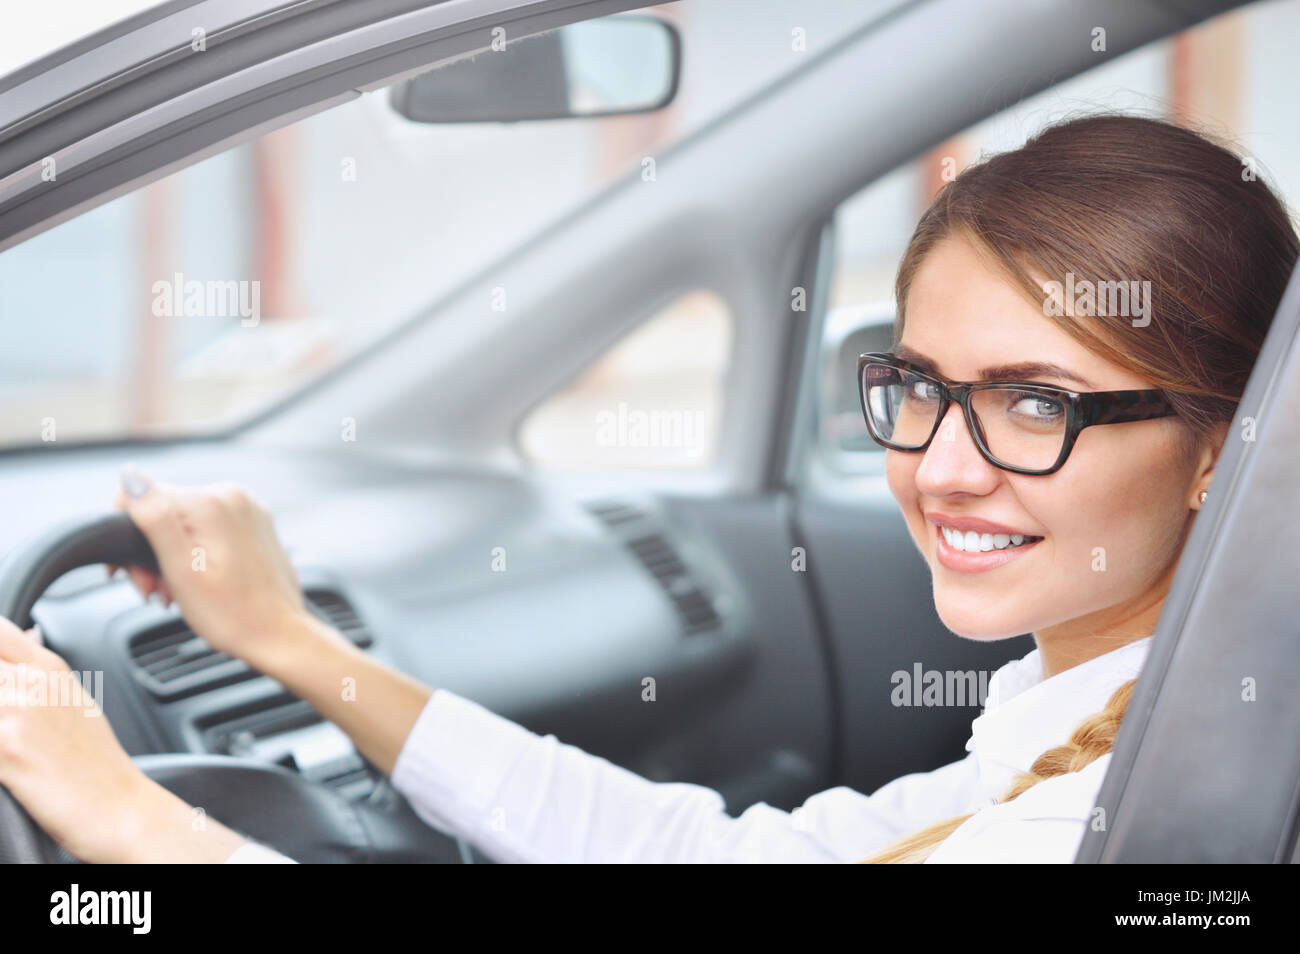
<point x="953" y="463"/>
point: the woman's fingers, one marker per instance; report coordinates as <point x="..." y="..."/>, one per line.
<point x="145" y="580"/>
<point x="135" y="483"/>
<point x="15" y="645"/>
<point x="171" y="518"/>
<point x="159" y="510"/>
<point x="151" y="518"/>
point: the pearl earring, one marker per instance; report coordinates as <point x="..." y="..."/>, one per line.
<point x="1204" y="494"/>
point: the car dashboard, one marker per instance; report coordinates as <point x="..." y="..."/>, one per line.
<point x="550" y="609"/>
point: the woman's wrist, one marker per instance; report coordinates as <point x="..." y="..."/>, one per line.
<point x="373" y="703"/>
<point x="161" y="828"/>
<point x="292" y="642"/>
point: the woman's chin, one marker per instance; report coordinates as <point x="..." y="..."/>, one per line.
<point x="979" y="623"/>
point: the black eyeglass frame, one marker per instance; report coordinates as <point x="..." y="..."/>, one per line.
<point x="1082" y="409"/>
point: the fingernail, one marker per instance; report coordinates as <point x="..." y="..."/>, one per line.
<point x="134" y="481"/>
<point x="36" y="636"/>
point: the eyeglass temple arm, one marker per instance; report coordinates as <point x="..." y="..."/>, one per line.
<point x="1119" y="407"/>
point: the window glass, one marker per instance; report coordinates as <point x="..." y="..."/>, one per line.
<point x="653" y="400"/>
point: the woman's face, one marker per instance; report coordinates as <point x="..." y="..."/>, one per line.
<point x="1112" y="521"/>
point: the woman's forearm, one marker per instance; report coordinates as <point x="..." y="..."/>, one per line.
<point x="373" y="703"/>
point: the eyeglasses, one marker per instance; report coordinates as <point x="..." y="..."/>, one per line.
<point x="1023" y="428"/>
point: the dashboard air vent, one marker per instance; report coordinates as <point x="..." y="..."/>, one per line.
<point x="172" y="662"/>
<point x="613" y="514"/>
<point x="339" y="613"/>
<point x="657" y="554"/>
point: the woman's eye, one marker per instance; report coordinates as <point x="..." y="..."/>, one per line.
<point x="1036" y="407"/>
<point x="921" y="390"/>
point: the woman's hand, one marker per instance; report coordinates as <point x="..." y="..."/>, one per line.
<point x="224" y="567"/>
<point x="221" y="563"/>
<point x="60" y="760"/>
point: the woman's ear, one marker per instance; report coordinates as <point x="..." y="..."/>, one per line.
<point x="1206" y="455"/>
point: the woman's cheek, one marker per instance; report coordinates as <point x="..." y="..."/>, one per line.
<point x="1107" y="543"/>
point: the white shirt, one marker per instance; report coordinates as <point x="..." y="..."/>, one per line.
<point x="521" y="797"/>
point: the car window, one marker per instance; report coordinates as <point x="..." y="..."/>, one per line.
<point x="1228" y="76"/>
<point x="208" y="296"/>
<point x="646" y="402"/>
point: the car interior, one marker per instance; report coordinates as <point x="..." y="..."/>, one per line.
<point x="551" y="396"/>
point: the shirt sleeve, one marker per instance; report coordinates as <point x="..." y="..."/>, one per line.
<point x="251" y="853"/>
<point x="521" y="797"/>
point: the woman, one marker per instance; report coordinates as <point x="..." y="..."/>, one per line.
<point x="1107" y="287"/>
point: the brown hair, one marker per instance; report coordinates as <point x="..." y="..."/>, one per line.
<point x="1125" y="198"/>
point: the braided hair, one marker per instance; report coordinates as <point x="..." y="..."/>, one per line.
<point x="1091" y="739"/>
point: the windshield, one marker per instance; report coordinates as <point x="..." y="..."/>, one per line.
<point x="209" y="295"/>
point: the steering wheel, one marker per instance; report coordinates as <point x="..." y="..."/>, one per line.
<point x="305" y="820"/>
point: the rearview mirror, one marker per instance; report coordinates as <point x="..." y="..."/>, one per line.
<point x="604" y="67"/>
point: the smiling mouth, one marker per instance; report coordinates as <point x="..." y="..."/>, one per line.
<point x="968" y="541"/>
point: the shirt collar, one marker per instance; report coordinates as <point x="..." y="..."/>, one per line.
<point x="1025" y="714"/>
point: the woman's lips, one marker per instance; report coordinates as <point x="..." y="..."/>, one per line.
<point x="964" y="561"/>
<point x="954" y="522"/>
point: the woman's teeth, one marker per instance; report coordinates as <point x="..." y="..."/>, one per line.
<point x="972" y="542"/>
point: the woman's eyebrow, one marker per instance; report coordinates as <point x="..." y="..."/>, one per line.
<point x="1020" y="371"/>
<point x="1027" y="370"/>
